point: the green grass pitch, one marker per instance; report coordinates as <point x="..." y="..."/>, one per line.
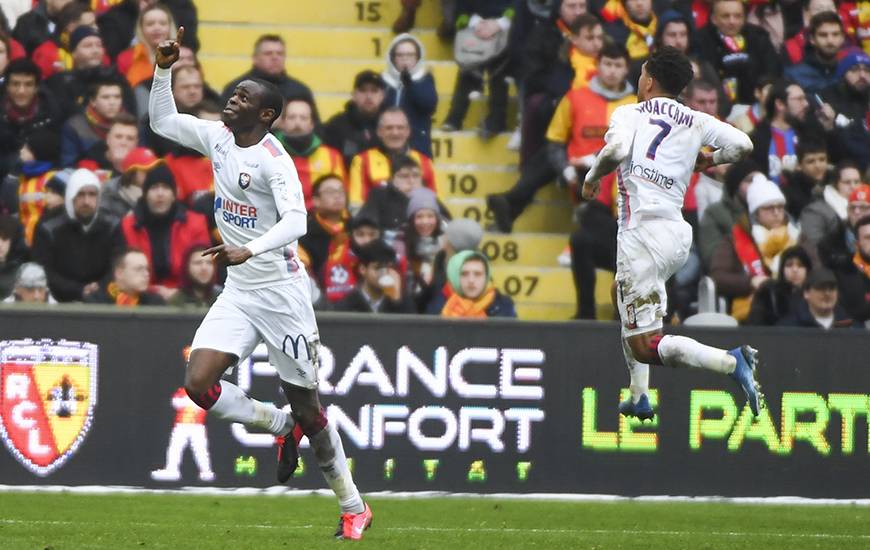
<point x="185" y="521"/>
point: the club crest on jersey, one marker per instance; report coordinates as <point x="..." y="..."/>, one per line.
<point x="48" y="391"/>
<point x="244" y="180"/>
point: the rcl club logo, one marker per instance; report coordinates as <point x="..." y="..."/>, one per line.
<point x="48" y="390"/>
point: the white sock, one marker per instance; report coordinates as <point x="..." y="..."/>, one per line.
<point x="680" y="351"/>
<point x="639" y="373"/>
<point x="234" y="405"/>
<point x="329" y="453"/>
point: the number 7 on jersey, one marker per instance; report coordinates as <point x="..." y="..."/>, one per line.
<point x="663" y="133"/>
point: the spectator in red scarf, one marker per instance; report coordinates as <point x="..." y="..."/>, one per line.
<point x="106" y="158"/>
<point x="325" y="248"/>
<point x="129" y="284"/>
<point x="198" y="281"/>
<point x="164" y="229"/>
<point x="84" y="130"/>
<point x="24" y="107"/>
<point x="752" y="253"/>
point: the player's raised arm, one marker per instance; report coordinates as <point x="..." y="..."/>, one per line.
<point x="729" y="144"/>
<point x="617" y="145"/>
<point x="165" y="119"/>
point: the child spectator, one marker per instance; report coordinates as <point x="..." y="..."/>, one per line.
<point x="379" y="286"/>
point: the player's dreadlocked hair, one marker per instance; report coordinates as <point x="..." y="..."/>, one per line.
<point x="272" y="99"/>
<point x="671" y="69"/>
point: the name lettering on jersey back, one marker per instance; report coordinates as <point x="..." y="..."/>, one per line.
<point x="666" y="108"/>
<point x="239" y="214"/>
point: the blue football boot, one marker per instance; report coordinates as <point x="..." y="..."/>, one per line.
<point x="744" y="375"/>
<point x="642" y="409"/>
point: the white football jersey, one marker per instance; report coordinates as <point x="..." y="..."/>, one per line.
<point x="254" y="188"/>
<point x="665" y="138"/>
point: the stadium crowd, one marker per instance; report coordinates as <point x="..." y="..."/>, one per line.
<point x="95" y="207"/>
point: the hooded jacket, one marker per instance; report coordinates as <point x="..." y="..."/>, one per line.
<point x="76" y="254"/>
<point x="777" y="299"/>
<point x="415" y="93"/>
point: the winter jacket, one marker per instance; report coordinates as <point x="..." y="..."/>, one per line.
<point x="113" y="202"/>
<point x="543" y="70"/>
<point x="799" y="190"/>
<point x="73" y="257"/>
<point x="388" y="206"/>
<point x="414" y="93"/>
<point x="818" y="220"/>
<point x="356" y="302"/>
<point x="187" y="229"/>
<point x="813" y="74"/>
<point x="32" y="28"/>
<point x="757" y="58"/>
<point x="716" y="224"/>
<point x="854" y="291"/>
<point x="851" y="136"/>
<point x="76" y="138"/>
<point x="13" y="134"/>
<point x="802" y="318"/>
<point x="350" y="132"/>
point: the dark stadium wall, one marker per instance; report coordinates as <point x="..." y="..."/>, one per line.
<point x="429" y="405"/>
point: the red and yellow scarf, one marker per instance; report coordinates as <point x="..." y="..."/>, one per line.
<point x="97" y="122"/>
<point x="122" y="298"/>
<point x="641" y="36"/>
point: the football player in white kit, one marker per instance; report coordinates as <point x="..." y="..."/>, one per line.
<point x="260" y="212"/>
<point x="655" y="145"/>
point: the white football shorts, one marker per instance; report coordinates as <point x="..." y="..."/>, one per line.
<point x="646" y="257"/>
<point x="281" y="316"/>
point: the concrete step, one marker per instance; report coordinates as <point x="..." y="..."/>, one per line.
<point x="321" y="75"/>
<point x="523" y="249"/>
<point x="467" y="148"/>
<point x="464" y="181"/>
<point x="357" y="42"/>
<point x="545" y="287"/>
<point x="331" y="13"/>
<point x="539" y="217"/>
<point x="329" y="104"/>
<point x="544" y="312"/>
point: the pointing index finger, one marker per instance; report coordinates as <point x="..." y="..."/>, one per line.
<point x="179" y="35"/>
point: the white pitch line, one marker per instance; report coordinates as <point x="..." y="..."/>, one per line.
<point x="278" y="490"/>
<point x="515" y="530"/>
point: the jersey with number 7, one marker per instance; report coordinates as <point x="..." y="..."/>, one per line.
<point x="661" y="138"/>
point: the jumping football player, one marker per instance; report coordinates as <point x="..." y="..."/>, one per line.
<point x="260" y="212"/>
<point x="656" y="144"/>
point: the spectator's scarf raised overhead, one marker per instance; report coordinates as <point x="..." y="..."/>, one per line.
<point x="466" y="308"/>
